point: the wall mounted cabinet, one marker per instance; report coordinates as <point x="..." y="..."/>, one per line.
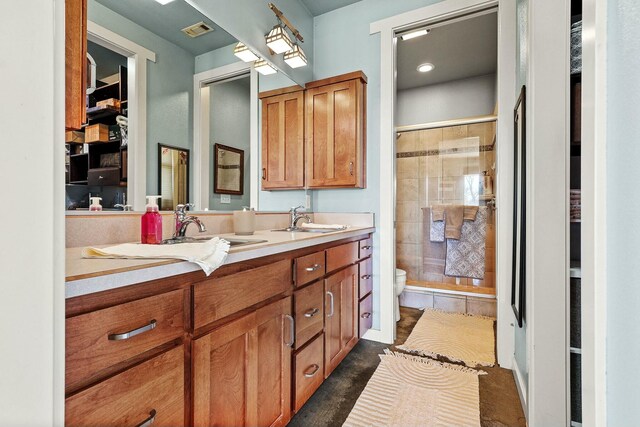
<point x="75" y="72"/>
<point x="335" y="132"/>
<point x="316" y="137"/>
<point x="283" y="139"/>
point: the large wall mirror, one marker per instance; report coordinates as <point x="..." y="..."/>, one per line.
<point x="177" y="43"/>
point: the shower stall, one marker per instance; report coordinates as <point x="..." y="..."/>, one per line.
<point x="440" y="166"/>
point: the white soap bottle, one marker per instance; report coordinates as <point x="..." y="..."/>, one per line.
<point x="95" y="204"/>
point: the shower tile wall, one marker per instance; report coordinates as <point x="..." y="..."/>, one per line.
<point x="440" y="166"/>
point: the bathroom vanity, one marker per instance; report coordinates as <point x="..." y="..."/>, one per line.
<point x="247" y="345"/>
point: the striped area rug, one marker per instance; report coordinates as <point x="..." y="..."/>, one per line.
<point x="458" y="337"/>
<point x="414" y="391"/>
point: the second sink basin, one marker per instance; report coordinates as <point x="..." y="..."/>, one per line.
<point x="306" y="230"/>
<point x="232" y="241"/>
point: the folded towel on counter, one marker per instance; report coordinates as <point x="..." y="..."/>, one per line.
<point x="209" y="255"/>
<point x="336" y="227"/>
<point x="466" y="256"/>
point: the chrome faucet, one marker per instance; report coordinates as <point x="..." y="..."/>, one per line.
<point x="183" y="220"/>
<point x="294" y="217"/>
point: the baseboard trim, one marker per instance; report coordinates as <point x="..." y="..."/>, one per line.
<point x="423" y="290"/>
<point x="520" y="386"/>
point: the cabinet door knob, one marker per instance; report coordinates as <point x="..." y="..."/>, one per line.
<point x="133" y="333"/>
<point x="314" y="370"/>
<point x="149" y="421"/>
<point x="312" y="312"/>
<point x="365" y="315"/>
<point x="366" y="276"/>
<point x="314" y="267"/>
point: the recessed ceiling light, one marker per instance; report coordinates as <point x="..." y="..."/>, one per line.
<point x="163" y="2"/>
<point x="414" y="34"/>
<point x="426" y="67"/>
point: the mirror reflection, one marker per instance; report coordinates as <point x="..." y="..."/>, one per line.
<point x="173" y="176"/>
<point x="228" y="170"/>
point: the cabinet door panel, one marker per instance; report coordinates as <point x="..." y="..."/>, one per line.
<point x="242" y="371"/>
<point x="75" y="63"/>
<point x="332" y="321"/>
<point x="283" y="141"/>
<point x="349" y="309"/>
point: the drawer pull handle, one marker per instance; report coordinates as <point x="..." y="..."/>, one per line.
<point x="367" y="247"/>
<point x="264" y="173"/>
<point x="312" y="312"/>
<point x="331" y="304"/>
<point x="351" y="168"/>
<point x="313" y="268"/>
<point x="130" y="334"/>
<point x="292" y="324"/>
<point x="365" y="315"/>
<point x="315" y="368"/>
<point x="150" y="420"/>
<point x="366" y="276"/>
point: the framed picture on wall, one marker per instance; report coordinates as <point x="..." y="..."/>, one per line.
<point x="518" y="285"/>
<point x="228" y="170"/>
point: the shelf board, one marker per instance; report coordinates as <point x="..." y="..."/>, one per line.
<point x="79" y="154"/>
<point x="85" y="182"/>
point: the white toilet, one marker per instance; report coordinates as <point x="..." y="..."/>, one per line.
<point x="401" y="282"/>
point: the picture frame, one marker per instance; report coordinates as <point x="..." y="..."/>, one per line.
<point x="518" y="271"/>
<point x="228" y="170"/>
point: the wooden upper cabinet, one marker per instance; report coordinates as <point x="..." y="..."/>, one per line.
<point x="283" y="139"/>
<point x="242" y="370"/>
<point x="336" y="132"/>
<point x="75" y="63"/>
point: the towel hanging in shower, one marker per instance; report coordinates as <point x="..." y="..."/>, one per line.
<point x="466" y="256"/>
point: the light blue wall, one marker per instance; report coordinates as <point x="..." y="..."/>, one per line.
<point x="216" y="58"/>
<point x="623" y="223"/>
<point x="250" y="20"/>
<point x="169" y="88"/>
<point x="343" y="44"/>
<point x="522" y="56"/>
<point x="230" y="116"/>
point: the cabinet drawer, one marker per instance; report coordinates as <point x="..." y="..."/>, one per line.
<point x="366" y="248"/>
<point x="365" y="275"/>
<point x="133" y="397"/>
<point x="309" y="268"/>
<point x="365" y="315"/>
<point x="217" y="298"/>
<point x="309" y="312"/>
<point x="308" y="371"/>
<point x="342" y="255"/>
<point x="104" y="176"/>
<point x="103" y="338"/>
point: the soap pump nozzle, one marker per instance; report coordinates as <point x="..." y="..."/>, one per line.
<point x="152" y="203"/>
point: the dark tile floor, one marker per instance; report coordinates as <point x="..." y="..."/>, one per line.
<point x="331" y="404"/>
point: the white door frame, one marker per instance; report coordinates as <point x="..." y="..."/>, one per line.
<point x="594" y="202"/>
<point x="201" y="118"/>
<point x="137" y="57"/>
<point x="506" y="96"/>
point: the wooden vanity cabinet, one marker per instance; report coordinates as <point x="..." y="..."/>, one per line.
<point x="335" y="130"/>
<point x="341" y="316"/>
<point x="283" y="139"/>
<point x="75" y="63"/>
<point x="242" y="371"/>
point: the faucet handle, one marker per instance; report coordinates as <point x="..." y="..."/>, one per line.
<point x="181" y="208"/>
<point x="296" y="209"/>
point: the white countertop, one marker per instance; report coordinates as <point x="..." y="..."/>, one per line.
<point x="86" y="276"/>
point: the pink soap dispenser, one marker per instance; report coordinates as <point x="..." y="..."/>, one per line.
<point x="151" y="223"/>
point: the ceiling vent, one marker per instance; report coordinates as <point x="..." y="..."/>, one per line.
<point x="198" y="29"/>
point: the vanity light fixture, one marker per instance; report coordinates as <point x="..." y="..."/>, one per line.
<point x="278" y="40"/>
<point x="426" y="67"/>
<point x="414" y="34"/>
<point x="295" y="58"/>
<point x="163" y="2"/>
<point x="264" y="68"/>
<point x="244" y="53"/>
